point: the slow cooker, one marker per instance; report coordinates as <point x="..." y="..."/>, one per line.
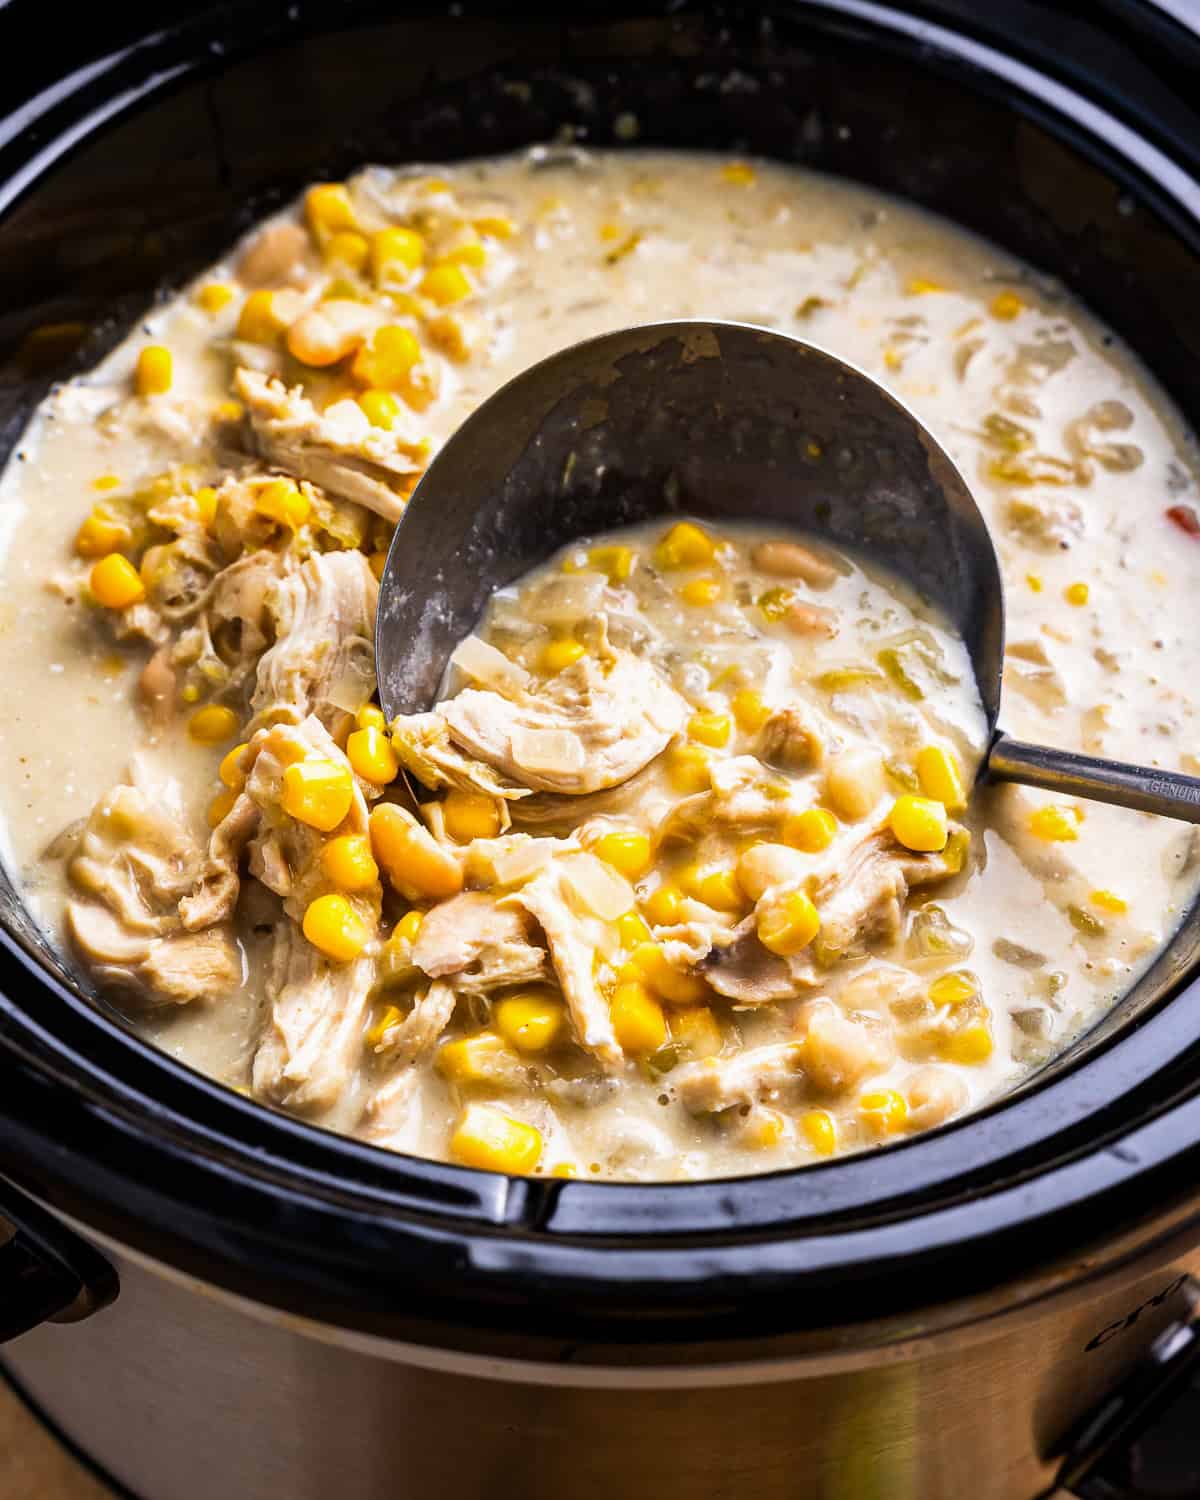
<point x="207" y="1298"/>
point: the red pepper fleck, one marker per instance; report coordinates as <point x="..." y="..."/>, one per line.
<point x="1185" y="518"/>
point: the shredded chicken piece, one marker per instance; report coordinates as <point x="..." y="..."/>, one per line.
<point x="388" y="1118"/>
<point x="839" y="1052"/>
<point x="745" y="795"/>
<point x="312" y="1039"/>
<point x="861" y="895"/>
<point x="573" y="958"/>
<point x="744" y="971"/>
<point x="478" y="944"/>
<point x="323" y="659"/>
<point x="410" y="1039"/>
<point x="339" y="449"/>
<point x="136" y="859"/>
<point x="717" y="1083"/>
<point x="215" y="892"/>
<point x="424" y="746"/>
<point x="591" y="727"/>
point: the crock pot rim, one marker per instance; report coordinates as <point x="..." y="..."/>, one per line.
<point x="497" y="1222"/>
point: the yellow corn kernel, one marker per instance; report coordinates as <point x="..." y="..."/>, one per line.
<point x="632" y="930"/>
<point x="334" y="928"/>
<point x="154" y="370"/>
<point x="106" y="482"/>
<point x="370" y="716"/>
<point x="688" y="768"/>
<point x="812" y="830"/>
<point x="627" y="850"/>
<point x="940" y="777"/>
<point x="697" y="1031"/>
<point x="638" y="1019"/>
<point x="686" y="545"/>
<point x="101" y="534"/>
<point x="1057" y="823"/>
<point x="348" y="864"/>
<point x="229" y="411"/>
<point x="446" y="283"/>
<point x="381" y="408"/>
<point x="496" y="226"/>
<point x="231" y="770"/>
<point x="556" y="656"/>
<point x="285" y="502"/>
<point x="190" y="693"/>
<point x="738" y="173"/>
<point x="749" y="710"/>
<point x="206" y="504"/>
<point x="701" y="591"/>
<point x="446" y="332"/>
<point x="318" y="793"/>
<point x="921" y="286"/>
<point x="919" y="823"/>
<point x="212" y="724"/>
<point x="377" y="563"/>
<point x="220" y="807"/>
<point x="391" y="1016"/>
<point x="1005" y="306"/>
<point x="328" y="209"/>
<point x="530" y="1023"/>
<point x="564" y="1169"/>
<point x="1076" y="594"/>
<point x="1034" y="582"/>
<point x="346" y="248"/>
<point x="789" y="924"/>
<point x="213" y="296"/>
<point x="614" y="561"/>
<point x="370" y="752"/>
<point x="720" y="890"/>
<point x="486" y="1137"/>
<point x="386" y="362"/>
<point x="395" y="254"/>
<point x="710" y="729"/>
<point x="666" y="980"/>
<point x="971" y="1046"/>
<point x="884" y="1111"/>
<point x="472" y="1061"/>
<point x="953" y="988"/>
<point x="470" y="815"/>
<point x="410" y="857"/>
<point x="819" y="1130"/>
<point x="662" y="905"/>
<point x="471" y="254"/>
<point x="1109" y="901"/>
<point x="763" y="1129"/>
<point x="115" y="583"/>
<point x="406" y="929"/>
<point x="258" y="322"/>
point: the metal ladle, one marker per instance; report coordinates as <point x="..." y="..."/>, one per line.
<point x="721" y="421"/>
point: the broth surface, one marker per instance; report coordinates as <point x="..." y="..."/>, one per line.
<point x="1087" y="480"/>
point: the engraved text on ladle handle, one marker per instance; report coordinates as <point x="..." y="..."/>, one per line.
<point x="1164" y="792"/>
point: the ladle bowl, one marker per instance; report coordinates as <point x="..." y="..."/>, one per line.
<point x="720" y="421"/>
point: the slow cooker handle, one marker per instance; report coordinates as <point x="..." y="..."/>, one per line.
<point x="1143" y="1441"/>
<point x="47" y="1273"/>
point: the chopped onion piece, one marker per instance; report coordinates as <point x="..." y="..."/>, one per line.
<point x="546" y="750"/>
<point x="483" y="663"/>
<point x="597" y="886"/>
<point x="564" y="600"/>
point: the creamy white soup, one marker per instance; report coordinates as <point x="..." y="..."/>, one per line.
<point x="695" y="881"/>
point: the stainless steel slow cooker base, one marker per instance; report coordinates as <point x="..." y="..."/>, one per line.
<point x="180" y="1392"/>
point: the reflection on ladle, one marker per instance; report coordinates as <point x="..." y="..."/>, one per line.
<point x="720" y="421"/>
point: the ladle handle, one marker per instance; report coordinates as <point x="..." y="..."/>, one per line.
<point x="1164" y="792"/>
